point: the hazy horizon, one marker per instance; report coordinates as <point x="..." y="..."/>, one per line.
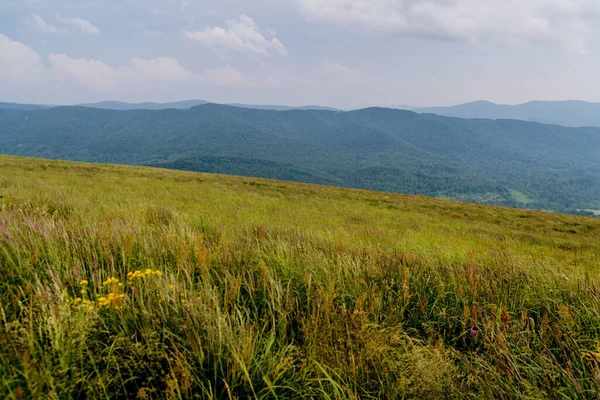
<point x="339" y="53"/>
<point x="313" y="104"/>
<point x="234" y="103"/>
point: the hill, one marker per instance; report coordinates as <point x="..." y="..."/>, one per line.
<point x="247" y="167"/>
<point x="17" y="106"/>
<point x="504" y="162"/>
<point x="119" y="105"/>
<point x="184" y="105"/>
<point x="566" y="113"/>
<point x="282" y="108"/>
<point x="130" y="282"/>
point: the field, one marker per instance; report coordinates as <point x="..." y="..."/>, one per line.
<point x="131" y="282"/>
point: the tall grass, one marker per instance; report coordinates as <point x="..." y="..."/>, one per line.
<point x="140" y="283"/>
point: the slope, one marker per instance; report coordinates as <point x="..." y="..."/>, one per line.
<point x="125" y="282"/>
<point x="501" y="162"/>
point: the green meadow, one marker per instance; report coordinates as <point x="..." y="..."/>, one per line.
<point x="132" y="282"/>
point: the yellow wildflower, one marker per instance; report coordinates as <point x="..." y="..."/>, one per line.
<point x="112" y="281"/>
<point x="84" y="282"/>
<point x="83" y="292"/>
<point x="103" y="302"/>
<point x="77" y="301"/>
<point x="115" y="296"/>
<point x="142" y="273"/>
<point x="111" y="300"/>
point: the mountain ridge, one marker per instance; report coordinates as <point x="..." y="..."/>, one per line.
<point x="492" y="161"/>
<point x="571" y="113"/>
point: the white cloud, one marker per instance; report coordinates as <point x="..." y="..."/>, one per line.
<point x="92" y="73"/>
<point x="38" y="23"/>
<point x="226" y="76"/>
<point x="240" y="35"/>
<point x="81" y="24"/>
<point x="22" y="69"/>
<point x="557" y="21"/>
<point x="340" y="70"/>
<point x="18" y="63"/>
<point x="98" y="76"/>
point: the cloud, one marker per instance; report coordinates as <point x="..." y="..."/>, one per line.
<point x="20" y="64"/>
<point x="98" y="76"/>
<point x="563" y="22"/>
<point x="92" y="73"/>
<point x="226" y="76"/>
<point x="241" y="35"/>
<point x="23" y="70"/>
<point x="82" y="25"/>
<point x="39" y="24"/>
<point x="340" y="70"/>
<point x="184" y="4"/>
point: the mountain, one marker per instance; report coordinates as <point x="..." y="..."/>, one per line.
<point x="247" y="167"/>
<point x="282" y="108"/>
<point x="567" y="113"/>
<point x="117" y="105"/>
<point x="182" y="105"/>
<point x="506" y="162"/>
<point x="17" y="106"/>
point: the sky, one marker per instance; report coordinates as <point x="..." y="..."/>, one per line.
<point x="340" y="53"/>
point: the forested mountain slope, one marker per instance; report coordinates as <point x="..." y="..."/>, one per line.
<point x="504" y="162"/>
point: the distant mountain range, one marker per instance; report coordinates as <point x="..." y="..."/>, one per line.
<point x="16" y="106"/>
<point x="507" y="162"/>
<point x="566" y="113"/>
<point x="282" y="108"/>
<point x="178" y="105"/>
<point x="118" y="105"/>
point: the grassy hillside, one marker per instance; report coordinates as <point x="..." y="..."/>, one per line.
<point x="148" y="283"/>
<point x="513" y="163"/>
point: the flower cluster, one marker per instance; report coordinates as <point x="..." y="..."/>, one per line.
<point x="142" y="273"/>
<point x="115" y="297"/>
<point x="83" y="300"/>
<point x="113" y="282"/>
<point x="114" y="300"/>
<point x="87" y="304"/>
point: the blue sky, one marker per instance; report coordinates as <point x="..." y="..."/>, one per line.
<point x="343" y="53"/>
